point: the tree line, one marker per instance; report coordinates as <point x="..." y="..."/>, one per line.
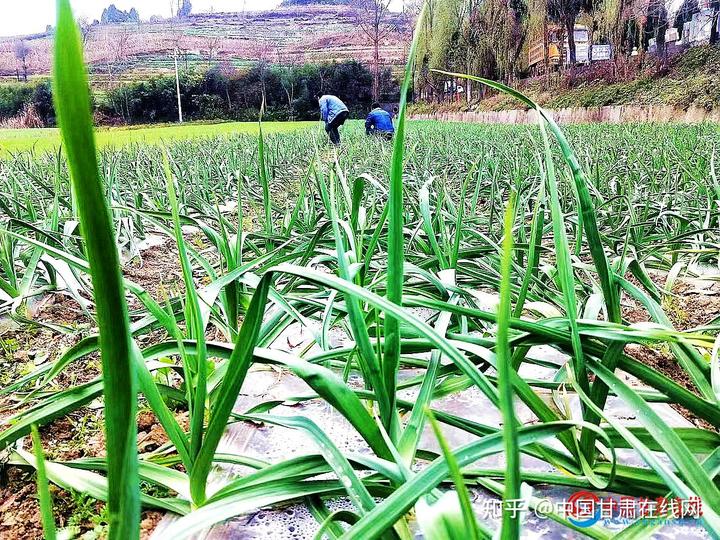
<point x="219" y="93"/>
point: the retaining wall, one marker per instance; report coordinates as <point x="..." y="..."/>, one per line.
<point x="615" y="114"/>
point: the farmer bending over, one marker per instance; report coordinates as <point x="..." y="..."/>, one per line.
<point x="334" y="113"/>
<point x="379" y="122"/>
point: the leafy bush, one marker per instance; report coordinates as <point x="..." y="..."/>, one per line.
<point x="13" y="98"/>
<point x="221" y="93"/>
<point x="17" y="99"/>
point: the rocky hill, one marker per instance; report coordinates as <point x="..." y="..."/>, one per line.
<point x="293" y="33"/>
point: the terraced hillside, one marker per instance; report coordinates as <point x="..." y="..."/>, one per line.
<point x="295" y="34"/>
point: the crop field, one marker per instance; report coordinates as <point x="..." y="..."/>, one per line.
<point x="474" y="331"/>
<point x="48" y="139"/>
<point x="310" y="260"/>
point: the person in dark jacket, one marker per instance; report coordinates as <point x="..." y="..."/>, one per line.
<point x="334" y="113"/>
<point x="379" y="122"/>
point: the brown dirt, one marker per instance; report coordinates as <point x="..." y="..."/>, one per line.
<point x="75" y="436"/>
<point x="61" y="309"/>
<point x="157" y="271"/>
<point x="151" y="435"/>
<point x="80" y="433"/>
<point x="695" y="309"/>
<point x="62" y="436"/>
<point x="688" y="308"/>
<point x="20" y="511"/>
<point x="150" y="521"/>
<point x="68" y="438"/>
<point x="26" y="349"/>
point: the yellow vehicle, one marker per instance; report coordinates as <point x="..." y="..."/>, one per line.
<point x="536" y="56"/>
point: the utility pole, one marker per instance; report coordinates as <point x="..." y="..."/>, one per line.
<point x="177" y="86"/>
<point x="176" y="35"/>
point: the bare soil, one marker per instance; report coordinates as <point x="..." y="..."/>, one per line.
<point x="20" y="511"/>
<point x="76" y="436"/>
<point x="157" y="271"/>
<point x="79" y="434"/>
<point x="690" y="306"/>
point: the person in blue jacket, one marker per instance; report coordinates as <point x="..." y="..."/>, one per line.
<point x="334" y="113"/>
<point x="379" y="122"/>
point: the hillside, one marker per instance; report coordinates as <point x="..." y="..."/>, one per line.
<point x="288" y="34"/>
<point x="689" y="79"/>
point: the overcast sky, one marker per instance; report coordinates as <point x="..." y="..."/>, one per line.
<point x="18" y="17"/>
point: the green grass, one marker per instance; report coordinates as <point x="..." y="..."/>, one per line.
<point x="48" y="139"/>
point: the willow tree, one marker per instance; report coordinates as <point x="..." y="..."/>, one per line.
<point x="447" y="23"/>
<point x="498" y="30"/>
<point x="621" y="20"/>
<point x="538" y="27"/>
<point x="424" y="78"/>
<point x="484" y="38"/>
<point x="496" y="34"/>
<point x="444" y="40"/>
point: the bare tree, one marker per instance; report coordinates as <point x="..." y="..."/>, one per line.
<point x="86" y="30"/>
<point x="263" y="54"/>
<point x="288" y="65"/>
<point x="410" y="12"/>
<point x="22" y="53"/>
<point x="118" y="44"/>
<point x="211" y="46"/>
<point x="372" y="17"/>
<point x="115" y="47"/>
<point x="119" y="48"/>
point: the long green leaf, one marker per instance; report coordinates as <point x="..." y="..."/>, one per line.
<point x="510" y="519"/>
<point x="72" y="104"/>
<point x="396" y="241"/>
<point x="43" y="489"/>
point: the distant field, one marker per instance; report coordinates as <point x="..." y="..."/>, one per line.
<point x="41" y="140"/>
<point x="320" y="33"/>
